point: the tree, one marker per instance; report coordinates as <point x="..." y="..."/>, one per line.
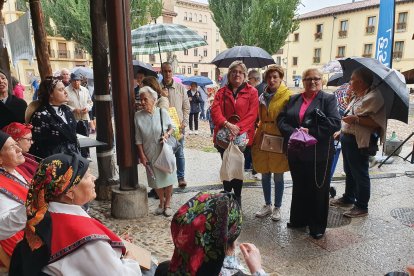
<point x="261" y="23"/>
<point x="71" y="17"/>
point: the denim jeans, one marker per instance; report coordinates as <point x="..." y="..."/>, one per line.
<point x="179" y="158"/>
<point x="356" y="167"/>
<point x="267" y="188"/>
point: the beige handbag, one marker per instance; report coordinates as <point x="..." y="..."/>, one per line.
<point x="272" y="143"/>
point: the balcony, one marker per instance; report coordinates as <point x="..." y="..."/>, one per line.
<point x="401" y="26"/>
<point x="63" y="54"/>
<point x="367" y="55"/>
<point x="397" y="54"/>
<point x="318" y="35"/>
<point x="370" y="29"/>
<point x="343" y="34"/>
<point x="316" y="59"/>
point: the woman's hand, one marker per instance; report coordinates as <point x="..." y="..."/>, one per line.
<point x="251" y="256"/>
<point x="304" y="129"/>
<point x="233" y="129"/>
<point x="350" y="119"/>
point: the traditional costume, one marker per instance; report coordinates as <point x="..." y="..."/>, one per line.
<point x="62" y="239"/>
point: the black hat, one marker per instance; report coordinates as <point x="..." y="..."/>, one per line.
<point x="3" y="138"/>
<point x="74" y="77"/>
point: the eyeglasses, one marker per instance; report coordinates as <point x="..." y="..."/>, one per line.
<point x="312" y="79"/>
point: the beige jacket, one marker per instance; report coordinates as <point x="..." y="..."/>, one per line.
<point x="177" y="95"/>
<point x="79" y="99"/>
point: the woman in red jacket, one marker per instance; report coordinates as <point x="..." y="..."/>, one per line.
<point x="237" y="99"/>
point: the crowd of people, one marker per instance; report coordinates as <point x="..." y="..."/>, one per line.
<point x="46" y="182"/>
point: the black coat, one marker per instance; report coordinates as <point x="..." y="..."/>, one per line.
<point x="195" y="101"/>
<point x="320" y="127"/>
<point x="12" y="111"/>
<point x="51" y="134"/>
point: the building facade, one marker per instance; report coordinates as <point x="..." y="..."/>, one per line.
<point x="345" y="31"/>
<point x="63" y="53"/>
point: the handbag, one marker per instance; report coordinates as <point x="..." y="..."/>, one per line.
<point x="300" y="140"/>
<point x="372" y="148"/>
<point x="272" y="143"/>
<point x="171" y="141"/>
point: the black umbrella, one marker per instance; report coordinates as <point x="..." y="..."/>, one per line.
<point x="143" y="67"/>
<point x="391" y="83"/>
<point x="252" y="57"/>
<point x="335" y="80"/>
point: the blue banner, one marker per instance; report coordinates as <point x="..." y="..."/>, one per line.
<point x="385" y="32"/>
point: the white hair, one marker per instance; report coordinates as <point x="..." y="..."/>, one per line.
<point x="150" y="91"/>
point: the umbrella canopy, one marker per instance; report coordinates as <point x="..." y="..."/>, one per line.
<point x="390" y="82"/>
<point x="158" y="38"/>
<point x="335" y="80"/>
<point x="84" y="71"/>
<point x="143" y="67"/>
<point x="409" y="76"/>
<point x="252" y="57"/>
<point x="200" y="80"/>
<point x="332" y="66"/>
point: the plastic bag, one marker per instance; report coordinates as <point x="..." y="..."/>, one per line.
<point x="232" y="166"/>
<point x="166" y="160"/>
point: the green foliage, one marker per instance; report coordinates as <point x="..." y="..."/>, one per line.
<point x="262" y="23"/>
<point x="72" y="18"/>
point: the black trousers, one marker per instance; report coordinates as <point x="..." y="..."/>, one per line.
<point x="193" y="117"/>
<point x="234" y="185"/>
<point x="310" y="199"/>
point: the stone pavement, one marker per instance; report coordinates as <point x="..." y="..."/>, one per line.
<point x="374" y="245"/>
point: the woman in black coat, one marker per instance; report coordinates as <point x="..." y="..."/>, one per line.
<point x="54" y="126"/>
<point x="195" y="99"/>
<point x="316" y="113"/>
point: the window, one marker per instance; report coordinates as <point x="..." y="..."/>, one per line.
<point x="186" y="52"/>
<point x="205" y="36"/>
<point x="319" y="31"/>
<point x="185" y="16"/>
<point x="190" y="17"/>
<point x="195" y="52"/>
<point x="189" y="70"/>
<point x="317" y="55"/>
<point x="200" y="18"/>
<point x="296" y="37"/>
<point x="367" y="50"/>
<point x="152" y="58"/>
<point x="370" y="29"/>
<point x="217" y="35"/>
<point x="402" y="21"/>
<point x="343" y="28"/>
<point x="398" y="49"/>
<point x="205" y="52"/>
<point x="341" y="52"/>
<point x="295" y="61"/>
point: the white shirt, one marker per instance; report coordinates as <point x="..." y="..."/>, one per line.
<point x="94" y="258"/>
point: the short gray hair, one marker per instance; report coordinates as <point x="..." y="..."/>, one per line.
<point x="307" y="71"/>
<point x="150" y="91"/>
<point x="236" y="63"/>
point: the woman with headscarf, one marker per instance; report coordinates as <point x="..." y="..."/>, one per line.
<point x="54" y="126"/>
<point x="204" y="231"/>
<point x="313" y="112"/>
<point x="152" y="129"/>
<point x="14" y="185"/>
<point x="271" y="103"/>
<point x="60" y="237"/>
<point x="22" y="134"/>
<point x="235" y="107"/>
<point x="12" y="109"/>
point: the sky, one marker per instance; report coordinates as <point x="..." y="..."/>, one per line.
<point x="310" y="5"/>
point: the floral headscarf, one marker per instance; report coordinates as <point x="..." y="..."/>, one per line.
<point x="201" y="230"/>
<point x="55" y="175"/>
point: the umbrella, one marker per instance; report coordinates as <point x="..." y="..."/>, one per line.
<point x="143" y="67"/>
<point x="389" y="82"/>
<point x="158" y="38"/>
<point x="84" y="71"/>
<point x="332" y="66"/>
<point x="200" y="80"/>
<point x="335" y="80"/>
<point x="252" y="57"/>
<point x="409" y="76"/>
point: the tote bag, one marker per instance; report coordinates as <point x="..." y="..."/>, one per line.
<point x="232" y="166"/>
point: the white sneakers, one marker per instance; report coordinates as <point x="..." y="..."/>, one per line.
<point x="267" y="210"/>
